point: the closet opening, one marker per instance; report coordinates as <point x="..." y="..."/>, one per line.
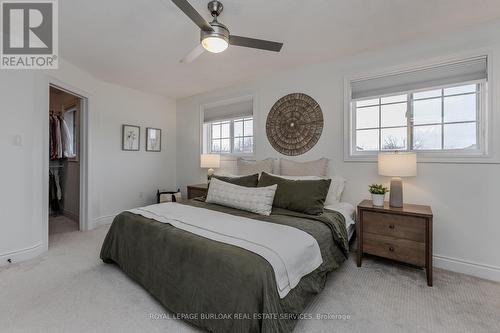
<point x="65" y="119"/>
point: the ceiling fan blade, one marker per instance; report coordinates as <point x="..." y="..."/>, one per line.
<point x="195" y="53"/>
<point x="193" y="14"/>
<point x="255" y="43"/>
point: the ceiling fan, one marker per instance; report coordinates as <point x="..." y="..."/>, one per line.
<point x="215" y="36"/>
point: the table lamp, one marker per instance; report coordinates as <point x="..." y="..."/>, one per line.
<point x="396" y="165"/>
<point x="209" y="161"/>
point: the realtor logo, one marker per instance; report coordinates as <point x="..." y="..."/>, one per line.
<point x="29" y="38"/>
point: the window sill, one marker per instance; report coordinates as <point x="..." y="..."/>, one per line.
<point x="234" y="157"/>
<point x="442" y="158"/>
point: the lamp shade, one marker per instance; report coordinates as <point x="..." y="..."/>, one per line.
<point x="397" y="164"/>
<point x="209" y="161"/>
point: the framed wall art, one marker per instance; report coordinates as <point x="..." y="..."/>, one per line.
<point x="131" y="137"/>
<point x="153" y="139"/>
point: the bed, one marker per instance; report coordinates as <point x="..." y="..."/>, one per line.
<point x="348" y="212"/>
<point x="218" y="286"/>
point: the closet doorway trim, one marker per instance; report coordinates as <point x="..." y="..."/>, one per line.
<point x="84" y="156"/>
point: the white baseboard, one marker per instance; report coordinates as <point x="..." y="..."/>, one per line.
<point x="22" y="254"/>
<point x="103" y="220"/>
<point x="483" y="271"/>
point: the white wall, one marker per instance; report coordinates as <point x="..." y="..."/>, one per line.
<point x="119" y="179"/>
<point x="463" y="196"/>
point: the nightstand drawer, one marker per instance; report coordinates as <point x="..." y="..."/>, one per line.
<point x="397" y="249"/>
<point x="195" y="193"/>
<point x="398" y="226"/>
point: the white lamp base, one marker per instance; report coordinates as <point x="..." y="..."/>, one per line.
<point x="396" y="193"/>
<point x="210" y="173"/>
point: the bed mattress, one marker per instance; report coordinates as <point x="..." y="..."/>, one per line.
<point x="350" y="231"/>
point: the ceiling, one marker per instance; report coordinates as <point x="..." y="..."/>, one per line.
<point x="139" y="43"/>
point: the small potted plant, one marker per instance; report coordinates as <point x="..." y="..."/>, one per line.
<point x="378" y="192"/>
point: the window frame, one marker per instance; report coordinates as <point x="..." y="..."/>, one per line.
<point x="380" y="127"/>
<point x="231" y="121"/>
<point x="481" y="96"/>
<point x="489" y="152"/>
<point x="210" y="138"/>
<point x="480" y="138"/>
<point x="233" y="136"/>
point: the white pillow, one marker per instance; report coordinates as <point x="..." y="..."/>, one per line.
<point x="246" y="167"/>
<point x="346" y="209"/>
<point x="336" y="189"/>
<point x="312" y="168"/>
<point x="334" y="192"/>
<point x="298" y="177"/>
<point x="253" y="199"/>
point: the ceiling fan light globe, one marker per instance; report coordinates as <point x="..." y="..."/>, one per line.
<point x="214" y="44"/>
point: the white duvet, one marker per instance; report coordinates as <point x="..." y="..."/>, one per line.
<point x="291" y="252"/>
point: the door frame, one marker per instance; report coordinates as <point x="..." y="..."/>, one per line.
<point x="84" y="156"/>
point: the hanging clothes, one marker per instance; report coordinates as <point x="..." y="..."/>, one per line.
<point x="57" y="179"/>
<point x="53" y="200"/>
<point x="55" y="189"/>
<point x="53" y="140"/>
<point x="61" y="140"/>
<point x="58" y="138"/>
<point x="67" y="140"/>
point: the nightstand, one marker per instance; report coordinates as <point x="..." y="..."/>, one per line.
<point x="195" y="191"/>
<point x="401" y="234"/>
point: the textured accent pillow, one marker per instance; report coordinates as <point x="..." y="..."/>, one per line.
<point x="304" y="196"/>
<point x="246" y="167"/>
<point x="247" y="181"/>
<point x="312" y="168"/>
<point x="253" y="199"/>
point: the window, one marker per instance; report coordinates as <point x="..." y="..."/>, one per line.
<point x="382" y="124"/>
<point x="437" y="119"/>
<point x="227" y="127"/>
<point x="231" y="136"/>
<point x="446" y="118"/>
<point x="439" y="112"/>
<point x="243" y="135"/>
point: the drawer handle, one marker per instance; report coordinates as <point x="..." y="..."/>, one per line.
<point x="391" y="226"/>
<point x="391" y="249"/>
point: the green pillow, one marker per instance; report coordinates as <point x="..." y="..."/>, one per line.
<point x="304" y="196"/>
<point x="247" y="181"/>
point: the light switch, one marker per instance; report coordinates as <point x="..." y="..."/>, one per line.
<point x="18" y="140"/>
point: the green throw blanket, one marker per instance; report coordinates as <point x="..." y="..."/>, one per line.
<point x="216" y="286"/>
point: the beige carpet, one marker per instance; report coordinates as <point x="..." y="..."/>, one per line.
<point x="70" y="290"/>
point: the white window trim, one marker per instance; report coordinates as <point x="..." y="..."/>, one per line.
<point x="229" y="101"/>
<point x="488" y="152"/>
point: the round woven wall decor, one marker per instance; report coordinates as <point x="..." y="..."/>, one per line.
<point x="294" y="124"/>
